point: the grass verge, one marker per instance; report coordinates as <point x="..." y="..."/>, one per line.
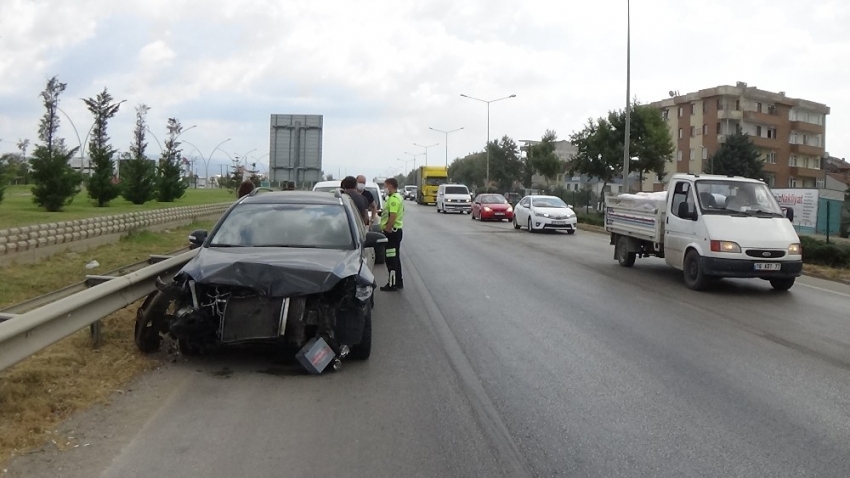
<point x="17" y="208"/>
<point x="69" y="376"/>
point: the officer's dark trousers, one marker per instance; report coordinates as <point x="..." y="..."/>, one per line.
<point x="394" y="259"/>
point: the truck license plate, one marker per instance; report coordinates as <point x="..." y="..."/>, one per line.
<point x="768" y="266"/>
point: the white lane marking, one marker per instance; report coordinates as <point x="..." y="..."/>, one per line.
<point x="824" y="290"/>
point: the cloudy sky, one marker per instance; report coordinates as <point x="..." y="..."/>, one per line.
<point x="381" y="72"/>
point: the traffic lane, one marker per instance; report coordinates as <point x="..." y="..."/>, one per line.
<point x="254" y="413"/>
<point x="812" y="316"/>
<point x="597" y="375"/>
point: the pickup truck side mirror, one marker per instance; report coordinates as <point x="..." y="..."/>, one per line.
<point x="789" y="213"/>
<point x="684" y="212"/>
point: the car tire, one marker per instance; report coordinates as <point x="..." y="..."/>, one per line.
<point x="147" y="336"/>
<point x="694" y="277"/>
<point x="516" y="225"/>
<point x="571" y="231"/>
<point x="782" y="284"/>
<point x="624" y="257"/>
<point x="530" y="229"/>
<point x="363" y="350"/>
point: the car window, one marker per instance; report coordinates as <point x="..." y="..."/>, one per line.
<point x="456" y="190"/>
<point x="524" y="202"/>
<point x="285" y="225"/>
<point x="549" y="202"/>
<point x="493" y="199"/>
<point x="327" y="189"/>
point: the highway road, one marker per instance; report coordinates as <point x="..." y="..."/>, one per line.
<point x="509" y="354"/>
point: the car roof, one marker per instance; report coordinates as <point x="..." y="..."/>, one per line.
<point x="324" y="184"/>
<point x="292" y="197"/>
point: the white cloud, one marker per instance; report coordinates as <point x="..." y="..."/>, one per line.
<point x="383" y="71"/>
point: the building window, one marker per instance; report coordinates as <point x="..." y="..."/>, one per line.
<point x="820" y="184"/>
<point x="693" y="109"/>
<point x="705" y="106"/>
<point x="792" y="182"/>
<point x="771" y="133"/>
<point x="770" y="179"/>
<point x="719" y="128"/>
<point x="665" y="113"/>
<point x="793" y="138"/>
<point x="680" y="135"/>
<point x="704" y="153"/>
<point x="704" y="129"/>
<point x="691" y="155"/>
<point x="737" y="105"/>
<point x="693" y="131"/>
<point x="805" y="139"/>
<point x="719" y="104"/>
<point x="758" y="107"/>
<point x="771" y="157"/>
<point x="678" y="154"/>
<point x="680" y="112"/>
<point x="758" y="132"/>
<point x="792" y="161"/>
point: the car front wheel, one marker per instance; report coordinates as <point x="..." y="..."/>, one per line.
<point x="363" y="350"/>
<point x="529" y="225"/>
<point x="516" y="226"/>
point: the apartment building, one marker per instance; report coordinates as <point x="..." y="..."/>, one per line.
<point x="789" y="132"/>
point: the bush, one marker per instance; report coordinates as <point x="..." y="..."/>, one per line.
<point x="819" y="252"/>
<point x="594" y="219"/>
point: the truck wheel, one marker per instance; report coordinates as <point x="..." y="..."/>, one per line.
<point x="694" y="278"/>
<point x="624" y="257"/>
<point x="363" y="350"/>
<point x="782" y="284"/>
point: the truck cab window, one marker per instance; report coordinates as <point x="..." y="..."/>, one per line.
<point x="681" y="194"/>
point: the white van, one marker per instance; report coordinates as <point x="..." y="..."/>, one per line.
<point x="454" y="198"/>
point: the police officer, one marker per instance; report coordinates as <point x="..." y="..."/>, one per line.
<point x="391" y="225"/>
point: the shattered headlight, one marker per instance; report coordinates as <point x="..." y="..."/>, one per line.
<point x="364" y="292"/>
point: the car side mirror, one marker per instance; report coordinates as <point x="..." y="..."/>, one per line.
<point x="789" y="213"/>
<point x="197" y="238"/>
<point x="684" y="212"/>
<point x="374" y="238"/>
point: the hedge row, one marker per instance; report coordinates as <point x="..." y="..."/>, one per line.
<point x="819" y="252"/>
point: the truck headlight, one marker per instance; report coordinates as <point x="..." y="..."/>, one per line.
<point x="795" y="250"/>
<point x="725" y="246"/>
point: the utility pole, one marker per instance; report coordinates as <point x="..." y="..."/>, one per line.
<point x="626" y="155"/>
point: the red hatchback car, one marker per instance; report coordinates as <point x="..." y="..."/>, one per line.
<point x="488" y="207"/>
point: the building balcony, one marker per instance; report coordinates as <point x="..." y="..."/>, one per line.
<point x="762" y="118"/>
<point x="806" y="150"/>
<point x="804" y="127"/>
<point x="768" y="143"/>
<point x="798" y="172"/>
<point x="730" y="115"/>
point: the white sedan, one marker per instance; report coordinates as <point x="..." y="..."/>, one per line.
<point x="538" y="213"/>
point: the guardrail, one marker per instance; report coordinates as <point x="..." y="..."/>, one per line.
<point x="24" y="334"/>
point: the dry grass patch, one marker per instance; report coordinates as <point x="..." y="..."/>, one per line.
<point x="40" y="392"/>
<point x="69" y="376"/>
<point x="829" y="273"/>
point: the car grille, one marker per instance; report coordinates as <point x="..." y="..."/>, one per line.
<point x="765" y="254"/>
<point x="251" y="318"/>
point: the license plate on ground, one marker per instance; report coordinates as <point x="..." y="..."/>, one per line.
<point x="559" y="223"/>
<point x="768" y="266"/>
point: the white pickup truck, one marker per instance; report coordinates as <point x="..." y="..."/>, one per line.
<point x="709" y="227"/>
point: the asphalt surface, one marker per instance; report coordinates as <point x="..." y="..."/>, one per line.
<point x="511" y="354"/>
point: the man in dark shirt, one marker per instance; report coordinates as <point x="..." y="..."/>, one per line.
<point x="349" y="186"/>
<point x="373" y="204"/>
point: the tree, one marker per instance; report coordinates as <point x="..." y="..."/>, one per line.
<point x="543" y="159"/>
<point x="600" y="153"/>
<point x="505" y="164"/>
<point x="649" y="139"/>
<point x="470" y="170"/>
<point x="138" y="179"/>
<point x="737" y="156"/>
<point x="5" y="174"/>
<point x="23" y="168"/>
<point x="101" y="187"/>
<point x="56" y="182"/>
<point x="170" y="183"/>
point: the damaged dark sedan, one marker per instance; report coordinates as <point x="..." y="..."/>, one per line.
<point x="291" y="268"/>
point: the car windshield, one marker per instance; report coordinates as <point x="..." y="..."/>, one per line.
<point x="456" y="190"/>
<point x="736" y="197"/>
<point x="314" y="226"/>
<point x="548" y="202"/>
<point x="410" y="188"/>
<point x="493" y="199"/>
<point x="434" y="181"/>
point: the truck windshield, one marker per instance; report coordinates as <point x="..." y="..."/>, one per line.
<point x="434" y="181"/>
<point x="736" y="197"/>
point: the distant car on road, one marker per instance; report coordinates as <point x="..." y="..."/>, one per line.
<point x="538" y="213"/>
<point x="489" y="207"/>
<point x="410" y="192"/>
<point x="454" y="198"/>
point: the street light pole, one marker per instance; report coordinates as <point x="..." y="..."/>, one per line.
<point x="414" y="158"/>
<point x="426" y="150"/>
<point x="626" y="155"/>
<point x="206" y="161"/>
<point x="487" y="147"/>
<point x="447" y="140"/>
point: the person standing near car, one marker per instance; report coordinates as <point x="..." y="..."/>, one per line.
<point x="349" y="186"/>
<point x="370" y="200"/>
<point x="391" y="225"/>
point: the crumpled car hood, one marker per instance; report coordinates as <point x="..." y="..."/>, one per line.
<point x="277" y="272"/>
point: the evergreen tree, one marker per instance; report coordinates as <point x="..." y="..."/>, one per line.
<point x="138" y="179"/>
<point x="737" y="156"/>
<point x="101" y="187"/>
<point x="170" y="182"/>
<point x="56" y="182"/>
